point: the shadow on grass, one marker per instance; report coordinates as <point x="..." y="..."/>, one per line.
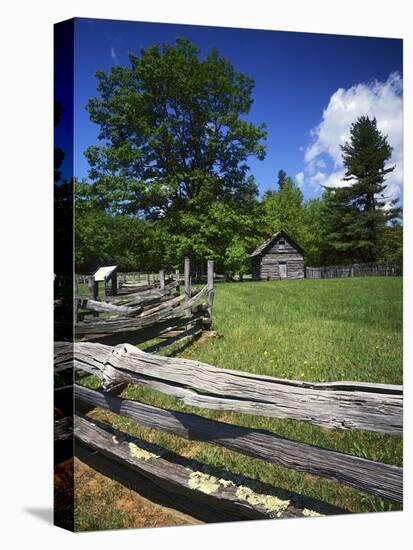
<point x="200" y="506"/>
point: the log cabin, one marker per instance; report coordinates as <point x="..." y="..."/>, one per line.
<point x="279" y="257"/>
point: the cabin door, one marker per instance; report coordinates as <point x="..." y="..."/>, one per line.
<point x="283" y="270"/>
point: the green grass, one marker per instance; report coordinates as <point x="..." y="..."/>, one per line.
<point x="319" y="330"/>
<point x="339" y="329"/>
<point x="95" y="510"/>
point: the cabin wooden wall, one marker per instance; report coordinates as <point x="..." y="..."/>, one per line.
<point x="266" y="265"/>
<point x="270" y="265"/>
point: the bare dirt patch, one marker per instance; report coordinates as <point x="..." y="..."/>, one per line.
<point x="128" y="508"/>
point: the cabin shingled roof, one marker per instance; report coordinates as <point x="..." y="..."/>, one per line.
<point x="266" y="243"/>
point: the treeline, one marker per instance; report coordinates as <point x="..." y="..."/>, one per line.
<point x="223" y="233"/>
<point x="170" y="177"/>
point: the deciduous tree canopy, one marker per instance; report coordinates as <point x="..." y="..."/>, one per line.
<point x="172" y="131"/>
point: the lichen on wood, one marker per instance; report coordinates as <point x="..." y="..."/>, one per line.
<point x="271" y="503"/>
<point x="311" y="513"/>
<point x="137" y="452"/>
<point x="203" y="482"/>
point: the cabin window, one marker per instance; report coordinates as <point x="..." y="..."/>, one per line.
<point x="281" y="244"/>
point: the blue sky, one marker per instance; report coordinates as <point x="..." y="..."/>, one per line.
<point x="298" y="77"/>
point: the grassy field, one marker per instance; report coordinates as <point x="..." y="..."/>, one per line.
<point x="318" y="330"/>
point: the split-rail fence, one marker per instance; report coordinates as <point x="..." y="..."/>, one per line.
<point x="153" y="313"/>
<point x="141" y="312"/>
<point x="193" y="488"/>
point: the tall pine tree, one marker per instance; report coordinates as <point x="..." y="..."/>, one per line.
<point x="282" y="176"/>
<point x="355" y="214"/>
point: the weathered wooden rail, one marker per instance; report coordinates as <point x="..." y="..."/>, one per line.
<point x="151" y="312"/>
<point x="337" y="405"/>
<point x="379" y="479"/>
<point x="107" y="307"/>
<point x="207" y="493"/>
<point x="341" y="405"/>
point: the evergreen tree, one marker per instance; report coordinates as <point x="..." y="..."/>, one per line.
<point x="355" y="214"/>
<point x="282" y="176"/>
<point x="392" y="242"/>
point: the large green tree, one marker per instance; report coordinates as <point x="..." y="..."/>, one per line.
<point x="286" y="209"/>
<point x="101" y="237"/>
<point x="283" y="209"/>
<point x="173" y="133"/>
<point x="312" y="231"/>
<point x="221" y="232"/>
<point x="357" y="213"/>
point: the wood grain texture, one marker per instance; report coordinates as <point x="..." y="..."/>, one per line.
<point x="192" y="332"/>
<point x="164" y="311"/>
<point x="341" y="405"/>
<point x="107" y="307"/>
<point x="63" y="439"/>
<point x="63" y="428"/>
<point x="142" y="288"/>
<point x="136" y="297"/>
<point x="150" y="301"/>
<point x="159" y="329"/>
<point x="218" y="495"/>
<point x="375" y="478"/>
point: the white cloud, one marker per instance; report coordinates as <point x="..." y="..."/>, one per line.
<point x="300" y="178"/>
<point x="318" y="178"/>
<point x="335" y="179"/>
<point x="382" y="100"/>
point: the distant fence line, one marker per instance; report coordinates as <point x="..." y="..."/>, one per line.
<point x="383" y="269"/>
<point x="140" y="312"/>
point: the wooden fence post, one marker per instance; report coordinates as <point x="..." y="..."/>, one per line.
<point x="187" y="277"/>
<point x="115" y="283"/>
<point x="95" y="289"/>
<point x="162" y="279"/>
<point x="95" y="294"/>
<point x="89" y="282"/>
<point x="76" y="314"/>
<point x="177" y="279"/>
<point x="210" y="289"/>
